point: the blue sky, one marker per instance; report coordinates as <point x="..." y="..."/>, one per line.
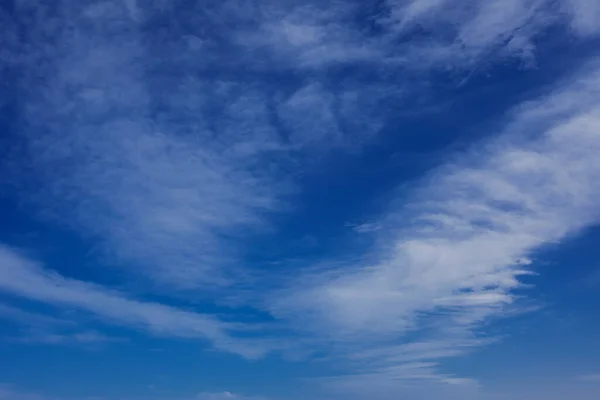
<point x="285" y="200"/>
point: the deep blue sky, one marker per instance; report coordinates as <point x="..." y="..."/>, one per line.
<point x="284" y="200"/>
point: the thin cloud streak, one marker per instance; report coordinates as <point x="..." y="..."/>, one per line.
<point x="451" y="260"/>
<point x="23" y="317"/>
<point x="26" y="278"/>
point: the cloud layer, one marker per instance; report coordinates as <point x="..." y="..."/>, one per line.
<point x="450" y="260"/>
<point x="26" y="278"/>
<point x="173" y="139"/>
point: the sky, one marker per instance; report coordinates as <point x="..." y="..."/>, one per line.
<point x="299" y="199"/>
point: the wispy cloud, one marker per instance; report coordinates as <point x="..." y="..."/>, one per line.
<point x="168" y="169"/>
<point x="170" y="147"/>
<point x="310" y="35"/>
<point x="217" y="396"/>
<point x="26" y="278"/>
<point x="367" y="227"/>
<point x="10" y="392"/>
<point x="158" y="191"/>
<point x="164" y="166"/>
<point x="28" y="318"/>
<point x="450" y="260"/>
<point x="37" y="328"/>
<point x="84" y="339"/>
<point x="413" y="34"/>
<point x="469" y="33"/>
<point x="40" y="328"/>
<point x="227" y="396"/>
<point x="584" y="14"/>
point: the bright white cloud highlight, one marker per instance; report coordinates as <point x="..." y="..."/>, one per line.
<point x="136" y="145"/>
<point x="450" y="260"/>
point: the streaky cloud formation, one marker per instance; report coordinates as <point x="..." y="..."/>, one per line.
<point x="160" y="164"/>
<point x="344" y="199"/>
<point x="466" y="236"/>
<point x="225" y="396"/>
<point x="166" y="168"/>
<point x="158" y="191"/>
<point x="26" y="278"/>
<point x="447" y="34"/>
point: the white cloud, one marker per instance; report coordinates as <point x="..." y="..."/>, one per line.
<point x="23" y="317"/>
<point x="25" y="278"/>
<point x="309" y="35"/>
<point x="144" y="151"/>
<point x="86" y="339"/>
<point x="139" y="161"/>
<point x="165" y="169"/>
<point x="444" y="33"/>
<point x="217" y="396"/>
<point x="168" y="170"/>
<point x="367" y="227"/>
<point x="469" y="33"/>
<point x="226" y="395"/>
<point x="10" y="392"/>
<point x="309" y="124"/>
<point x="451" y="259"/>
<point x="585" y="16"/>
<point x="40" y="328"/>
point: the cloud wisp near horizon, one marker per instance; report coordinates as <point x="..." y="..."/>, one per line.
<point x="355" y="195"/>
